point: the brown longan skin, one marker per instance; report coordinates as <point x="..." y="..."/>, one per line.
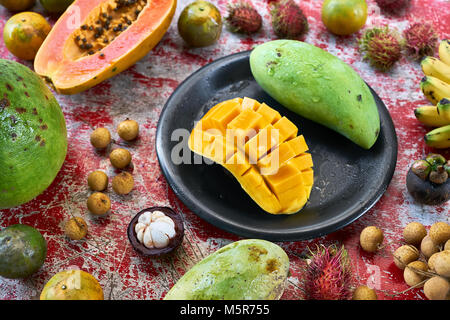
<point x="98" y="203"/>
<point x="439" y="232"/>
<point x="428" y="247"/>
<point x="76" y="228"/>
<point x="100" y="138"/>
<point x="447" y="245"/>
<point x="371" y="238"/>
<point x="98" y="181"/>
<point x="442" y="263"/>
<point x="404" y="255"/>
<point x="437" y="288"/>
<point x="123" y="183"/>
<point x="411" y="277"/>
<point x="120" y="158"/>
<point x="414" y="232"/>
<point x="128" y="130"/>
<point x="364" y="293"/>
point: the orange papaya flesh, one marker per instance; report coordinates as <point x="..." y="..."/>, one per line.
<point x="269" y="159"/>
<point x="96" y="39"/>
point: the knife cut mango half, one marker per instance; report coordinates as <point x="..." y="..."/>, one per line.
<point x="261" y="149"/>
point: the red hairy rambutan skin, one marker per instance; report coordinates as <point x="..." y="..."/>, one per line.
<point x="381" y="47"/>
<point x="420" y="40"/>
<point x="288" y="20"/>
<point x="328" y="275"/>
<point x="243" y="18"/>
<point x="393" y="6"/>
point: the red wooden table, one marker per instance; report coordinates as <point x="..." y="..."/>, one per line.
<point x="140" y="93"/>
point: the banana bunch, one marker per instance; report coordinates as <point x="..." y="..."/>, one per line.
<point x="436" y="87"/>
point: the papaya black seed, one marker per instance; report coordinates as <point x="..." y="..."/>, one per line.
<point x="91" y="28"/>
<point x="9" y="87"/>
<point x="21" y="110"/>
<point x="84" y="40"/>
<point x="42" y="144"/>
<point x="44" y="127"/>
<point x="359" y="97"/>
<point x="84" y="27"/>
<point x="37" y="138"/>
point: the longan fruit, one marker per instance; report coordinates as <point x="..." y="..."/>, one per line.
<point x="439" y="232"/>
<point x="414" y="232"/>
<point x="437" y="288"/>
<point x="442" y="263"/>
<point x="100" y="138"/>
<point x="123" y="183"/>
<point x="404" y="255"/>
<point x="98" y="180"/>
<point x="412" y="278"/>
<point x="447" y="245"/>
<point x="364" y="293"/>
<point x="128" y="130"/>
<point x="120" y="158"/>
<point x="371" y="238"/>
<point x="428" y="247"/>
<point x="98" y="203"/>
<point x="431" y="261"/>
<point x="76" y="228"/>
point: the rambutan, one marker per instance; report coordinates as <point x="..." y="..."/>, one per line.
<point x="288" y="20"/>
<point x="382" y="47"/>
<point x="328" y="275"/>
<point x="393" y="6"/>
<point x="420" y="40"/>
<point x="243" y="18"/>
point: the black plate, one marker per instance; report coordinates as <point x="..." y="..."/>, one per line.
<point x="348" y="180"/>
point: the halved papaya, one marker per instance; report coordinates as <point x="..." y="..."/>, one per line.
<point x="96" y="39"/>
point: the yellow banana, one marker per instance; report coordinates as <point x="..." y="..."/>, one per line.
<point x="444" y="51"/>
<point x="443" y="108"/>
<point x="434" y="89"/>
<point x="436" y="68"/>
<point x="430" y="116"/>
<point x="439" y="138"/>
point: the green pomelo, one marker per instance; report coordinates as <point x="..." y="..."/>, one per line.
<point x="318" y="86"/>
<point x="33" y="135"/>
<point x="244" y="270"/>
<point x="23" y="250"/>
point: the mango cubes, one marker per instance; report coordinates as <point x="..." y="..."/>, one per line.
<point x="261" y="149"/>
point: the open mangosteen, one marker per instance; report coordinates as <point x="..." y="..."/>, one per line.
<point x="428" y="180"/>
<point x="156" y="231"/>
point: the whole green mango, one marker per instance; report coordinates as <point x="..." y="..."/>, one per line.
<point x="244" y="270"/>
<point x="318" y="86"/>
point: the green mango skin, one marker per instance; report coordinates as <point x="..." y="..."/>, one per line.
<point x="318" y="86"/>
<point x="33" y="135"/>
<point x="23" y="250"/>
<point x="244" y="270"/>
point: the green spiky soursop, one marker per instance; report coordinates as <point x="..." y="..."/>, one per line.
<point x="33" y="135"/>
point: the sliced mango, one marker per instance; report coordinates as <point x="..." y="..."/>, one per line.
<point x="261" y="149"/>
